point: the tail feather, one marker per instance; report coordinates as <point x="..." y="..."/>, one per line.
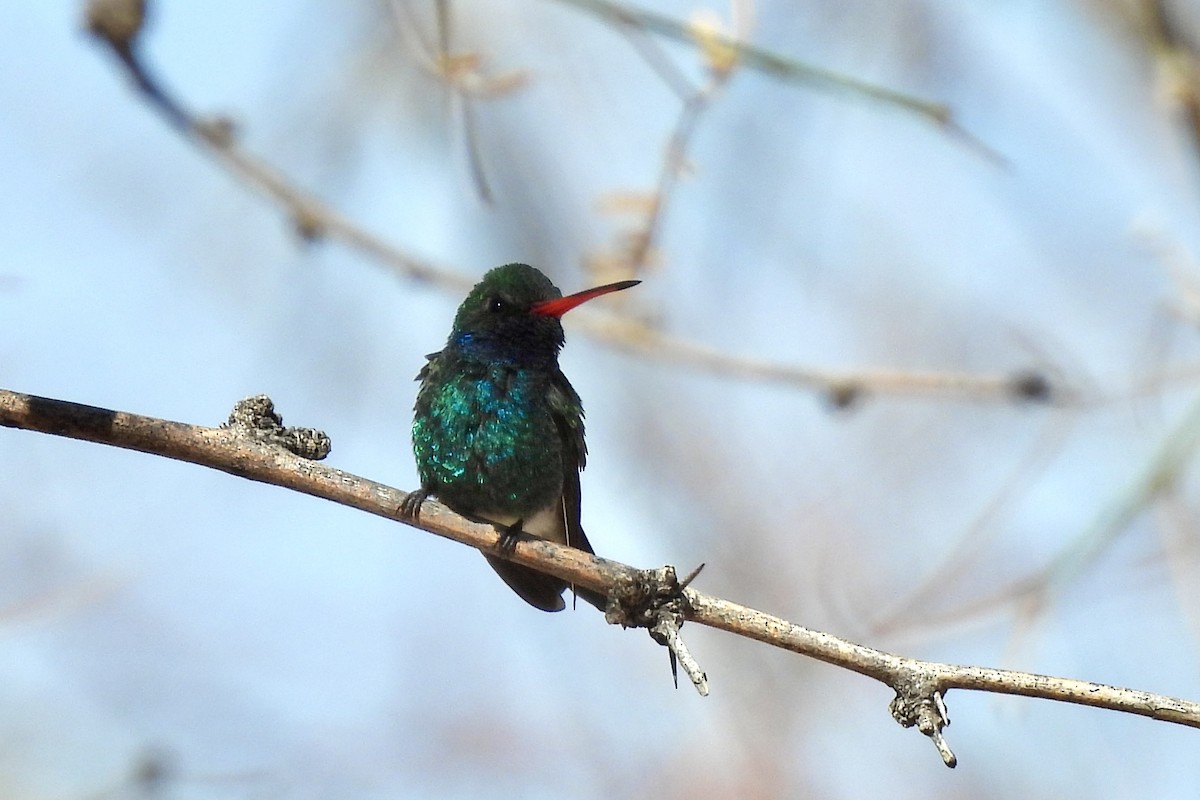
<point x="536" y="588"/>
<point x="544" y="591"/>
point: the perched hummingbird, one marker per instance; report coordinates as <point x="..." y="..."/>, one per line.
<point x="498" y="429"/>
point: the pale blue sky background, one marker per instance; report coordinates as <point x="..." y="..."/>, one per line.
<point x="271" y="645"/>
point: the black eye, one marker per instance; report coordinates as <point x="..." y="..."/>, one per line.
<point x="495" y="304"/>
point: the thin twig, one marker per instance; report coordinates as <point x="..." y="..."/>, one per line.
<point x="920" y="686"/>
<point x="643" y="241"/>
<point x="974" y="540"/>
<point x="1175" y="452"/>
<point x="786" y="69"/>
<point x="695" y="102"/>
<point x="1178" y="64"/>
<point x="460" y="73"/>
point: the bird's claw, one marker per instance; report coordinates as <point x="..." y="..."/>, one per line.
<point x="410" y="507"/>
<point x="509" y="535"/>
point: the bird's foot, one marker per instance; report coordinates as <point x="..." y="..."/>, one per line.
<point x="509" y="536"/>
<point x="410" y="509"/>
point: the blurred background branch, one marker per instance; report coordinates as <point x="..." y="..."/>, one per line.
<point x="314" y="219"/>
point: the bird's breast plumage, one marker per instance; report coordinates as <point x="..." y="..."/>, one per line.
<point x="485" y="438"/>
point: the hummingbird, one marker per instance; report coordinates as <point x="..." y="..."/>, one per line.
<point x="498" y="429"/>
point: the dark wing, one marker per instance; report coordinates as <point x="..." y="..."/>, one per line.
<point x="427" y="371"/>
<point x="429" y="367"/>
<point x="567" y="410"/>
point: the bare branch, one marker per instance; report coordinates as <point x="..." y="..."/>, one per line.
<point x="842" y="388"/>
<point x="920" y="686"/>
<point x="249" y="447"/>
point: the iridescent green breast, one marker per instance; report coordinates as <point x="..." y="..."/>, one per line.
<point x="485" y="438"/>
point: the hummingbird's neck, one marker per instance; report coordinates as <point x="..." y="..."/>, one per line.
<point x="491" y="349"/>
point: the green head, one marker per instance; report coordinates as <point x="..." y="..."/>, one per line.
<point x="515" y="310"/>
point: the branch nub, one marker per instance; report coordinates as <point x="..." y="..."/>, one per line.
<point x="655" y="600"/>
<point x="919" y="703"/>
<point x="256" y="417"/>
